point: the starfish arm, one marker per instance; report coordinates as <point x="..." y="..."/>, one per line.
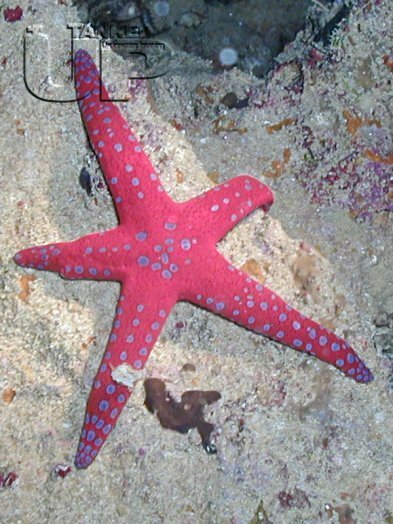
<point x="90" y="257"/>
<point x="140" y="316"/>
<point x="232" y="294"/>
<point x="219" y="209"/>
<point x="127" y="169"/>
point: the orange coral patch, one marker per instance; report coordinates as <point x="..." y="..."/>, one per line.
<point x="375" y="157"/>
<point x="278" y="166"/>
<point x="253" y="268"/>
<point x="354" y="123"/>
<point x="273" y="128"/>
<point x="24" y="283"/>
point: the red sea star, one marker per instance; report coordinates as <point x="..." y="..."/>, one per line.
<point x="163" y="252"/>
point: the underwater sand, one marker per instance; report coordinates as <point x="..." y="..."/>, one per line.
<point x="297" y="441"/>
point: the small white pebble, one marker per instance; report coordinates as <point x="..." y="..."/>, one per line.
<point x="228" y="56"/>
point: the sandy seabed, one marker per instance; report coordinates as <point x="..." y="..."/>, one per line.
<point x="297" y="440"/>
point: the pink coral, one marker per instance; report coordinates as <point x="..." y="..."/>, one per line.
<point x="13" y="14"/>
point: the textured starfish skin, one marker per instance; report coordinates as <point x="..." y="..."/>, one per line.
<point x="163" y="252"/>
